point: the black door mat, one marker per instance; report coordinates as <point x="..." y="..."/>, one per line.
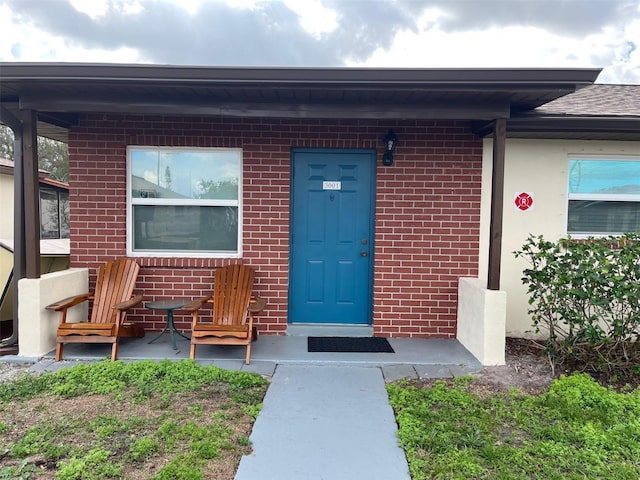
<point x="349" y="344"/>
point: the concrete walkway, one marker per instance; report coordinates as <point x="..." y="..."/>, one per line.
<point x="325" y="422"/>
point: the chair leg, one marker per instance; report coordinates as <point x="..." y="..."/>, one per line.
<point x="248" y="359"/>
<point x="192" y="352"/>
<point x="58" y="351"/>
<point x="114" y="351"/>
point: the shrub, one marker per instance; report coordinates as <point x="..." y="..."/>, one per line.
<point x="585" y="296"/>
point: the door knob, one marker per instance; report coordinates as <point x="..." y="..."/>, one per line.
<point x="363" y="253"/>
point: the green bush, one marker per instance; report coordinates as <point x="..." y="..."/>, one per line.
<point x="585" y="297"/>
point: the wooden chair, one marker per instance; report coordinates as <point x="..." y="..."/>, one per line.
<point x="233" y="308"/>
<point x="111" y="300"/>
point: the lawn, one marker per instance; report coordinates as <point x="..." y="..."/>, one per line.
<point x="179" y="420"/>
<point x="576" y="429"/>
<point x="144" y="420"/>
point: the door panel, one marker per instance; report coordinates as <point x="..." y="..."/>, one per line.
<point x="332" y="218"/>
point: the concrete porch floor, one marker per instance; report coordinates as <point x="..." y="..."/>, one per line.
<point x="413" y="358"/>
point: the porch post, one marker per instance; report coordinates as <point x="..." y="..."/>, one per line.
<point x="497" y="201"/>
<point x="19" y="262"/>
<point x="31" y="195"/>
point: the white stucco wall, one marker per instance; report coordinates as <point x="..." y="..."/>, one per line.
<point x="37" y="326"/>
<point x="6" y="200"/>
<point x="481" y="321"/>
<point x="539" y="167"/>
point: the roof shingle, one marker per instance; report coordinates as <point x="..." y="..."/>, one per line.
<point x="597" y="100"/>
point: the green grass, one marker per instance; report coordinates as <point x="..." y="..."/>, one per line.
<point x="179" y="420"/>
<point x="575" y="430"/>
<point x="160" y="420"/>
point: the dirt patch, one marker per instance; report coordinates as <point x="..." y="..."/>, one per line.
<point x="529" y="370"/>
<point x="526" y="369"/>
<point x="10" y="370"/>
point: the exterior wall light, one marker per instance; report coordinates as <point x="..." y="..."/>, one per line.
<point x="390" y="140"/>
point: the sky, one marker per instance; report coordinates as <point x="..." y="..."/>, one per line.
<point x="329" y="33"/>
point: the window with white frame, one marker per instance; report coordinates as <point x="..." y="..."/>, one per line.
<point x="604" y="196"/>
<point x="184" y="202"/>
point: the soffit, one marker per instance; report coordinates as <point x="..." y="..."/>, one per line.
<point x="59" y="92"/>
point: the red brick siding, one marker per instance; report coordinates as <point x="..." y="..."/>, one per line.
<point x="427" y="230"/>
<point x="427" y="211"/>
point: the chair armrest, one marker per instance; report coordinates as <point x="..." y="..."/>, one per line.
<point x="257" y="304"/>
<point x="132" y="302"/>
<point x="69" y="302"/>
<point x="196" y="304"/>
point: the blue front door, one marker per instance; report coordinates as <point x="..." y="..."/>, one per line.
<point x="331" y="236"/>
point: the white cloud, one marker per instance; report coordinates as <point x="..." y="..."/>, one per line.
<point x="99" y="8"/>
<point x="621" y="57"/>
<point x="94" y="8"/>
<point x="516" y="47"/>
<point x="24" y="41"/>
<point x="328" y="33"/>
<point x="315" y="18"/>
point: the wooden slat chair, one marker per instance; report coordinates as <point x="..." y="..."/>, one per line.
<point x="111" y="300"/>
<point x="233" y="308"/>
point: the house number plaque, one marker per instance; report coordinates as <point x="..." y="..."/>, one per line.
<point x="332" y="185"/>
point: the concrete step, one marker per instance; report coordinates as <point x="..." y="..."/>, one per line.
<point x="329" y="330"/>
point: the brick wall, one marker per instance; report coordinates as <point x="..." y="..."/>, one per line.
<point x="427" y="211"/>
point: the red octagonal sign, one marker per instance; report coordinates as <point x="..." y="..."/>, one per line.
<point x="524" y="201"/>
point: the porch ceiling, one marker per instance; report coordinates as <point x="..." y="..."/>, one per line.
<point x="59" y="92"/>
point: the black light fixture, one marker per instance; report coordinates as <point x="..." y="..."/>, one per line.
<point x="390" y="140"/>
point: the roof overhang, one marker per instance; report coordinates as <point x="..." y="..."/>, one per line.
<point x="59" y="92"/>
<point x="570" y="127"/>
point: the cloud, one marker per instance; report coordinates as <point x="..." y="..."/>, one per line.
<point x="364" y="27"/>
<point x="568" y="17"/>
<point x="163" y="32"/>
<point x="382" y="33"/>
<point x="266" y="33"/>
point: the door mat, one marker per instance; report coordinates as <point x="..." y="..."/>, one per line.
<point x="349" y="344"/>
